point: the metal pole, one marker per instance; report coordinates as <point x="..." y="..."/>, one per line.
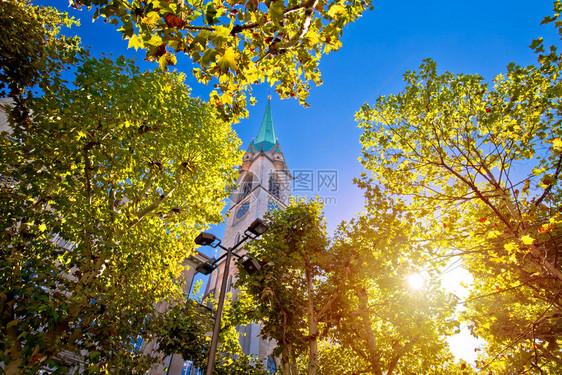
<point x="215" y="339"/>
<point x="170" y="364"/>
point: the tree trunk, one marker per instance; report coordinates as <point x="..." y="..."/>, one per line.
<point x="13" y="368"/>
<point x="15" y="352"/>
<point x="312" y="325"/>
<point x="294" y="369"/>
<point x="372" y="352"/>
<point x="285" y="361"/>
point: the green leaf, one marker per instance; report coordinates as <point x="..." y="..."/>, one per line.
<point x="167" y="59"/>
<point x="275" y="11"/>
<point x="211" y="15"/>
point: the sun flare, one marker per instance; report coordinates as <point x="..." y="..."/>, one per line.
<point x="416" y="281"/>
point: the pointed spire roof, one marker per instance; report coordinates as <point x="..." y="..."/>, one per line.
<point x="266" y="136"/>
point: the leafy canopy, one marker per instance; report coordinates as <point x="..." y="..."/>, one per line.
<point x="184" y="330"/>
<point x="123" y="168"/>
<point x="381" y="324"/>
<point x="291" y="292"/>
<point x="236" y="43"/>
<point x="479" y="165"/>
<point x="342" y="306"/>
<point x="31" y="46"/>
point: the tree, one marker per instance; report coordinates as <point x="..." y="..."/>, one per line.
<point x="103" y="190"/>
<point x="31" y="46"/>
<point x="183" y="331"/>
<point x="184" y="328"/>
<point x="480" y="166"/>
<point x="292" y="292"/>
<point x="380" y="324"/>
<point x="236" y="44"/>
<point x="344" y="306"/>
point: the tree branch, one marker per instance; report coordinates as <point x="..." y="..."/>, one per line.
<point x="520" y="336"/>
<point x="239" y="28"/>
<point x="208" y="28"/>
<point x="336" y="294"/>
<point x="280" y="46"/>
<point x="154" y="205"/>
<point x="398" y="355"/>
<point x="547" y="190"/>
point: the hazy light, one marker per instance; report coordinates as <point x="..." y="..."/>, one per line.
<point x="455" y="279"/>
<point x="416" y="281"/>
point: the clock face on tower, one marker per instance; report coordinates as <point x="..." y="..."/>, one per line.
<point x="243" y="209"/>
<point x="271" y="205"/>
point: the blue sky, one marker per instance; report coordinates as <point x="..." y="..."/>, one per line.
<point x="478" y="37"/>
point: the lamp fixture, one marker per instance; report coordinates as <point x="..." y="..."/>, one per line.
<point x="258" y="227"/>
<point x="205" y="239"/>
<point x="206" y="268"/>
<point x="251" y="265"/>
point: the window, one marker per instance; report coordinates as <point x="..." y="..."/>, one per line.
<point x="243" y="209"/>
<point x="271" y="365"/>
<point x="274" y="186"/>
<point x="190" y="369"/>
<point x="245" y="187"/>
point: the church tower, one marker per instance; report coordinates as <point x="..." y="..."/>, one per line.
<point x="264" y="184"/>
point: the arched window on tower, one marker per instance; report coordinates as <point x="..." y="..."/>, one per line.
<point x="246" y="187"/>
<point x="274" y="186"/>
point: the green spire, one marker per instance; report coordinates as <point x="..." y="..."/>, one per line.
<point x="266" y="136"/>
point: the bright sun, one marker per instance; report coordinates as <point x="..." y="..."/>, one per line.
<point x="416" y="281"/>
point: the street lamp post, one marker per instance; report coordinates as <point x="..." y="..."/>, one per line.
<point x="256" y="229"/>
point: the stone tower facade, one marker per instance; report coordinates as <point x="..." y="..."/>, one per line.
<point x="264" y="184"/>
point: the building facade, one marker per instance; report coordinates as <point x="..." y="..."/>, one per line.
<point x="174" y="364"/>
<point x="264" y="185"/>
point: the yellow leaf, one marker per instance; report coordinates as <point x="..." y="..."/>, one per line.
<point x="493" y="234"/>
<point x="557" y="143"/>
<point x="251" y="72"/>
<point x="336" y="10"/>
<point x="228" y="60"/>
<point x="42" y="227"/>
<point x="222" y="32"/>
<point x="167" y="59"/>
<point x="150" y="18"/>
<point x="135" y="42"/>
<point x="313" y="38"/>
<point x="498" y="260"/>
<point x="527" y="240"/>
<point x="155" y="40"/>
<point x="510" y="247"/>
<point x="227" y="98"/>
